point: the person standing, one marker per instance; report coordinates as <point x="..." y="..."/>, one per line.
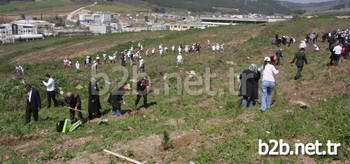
<point x="104" y="58"/>
<point x="123" y="59"/>
<point x="87" y="61"/>
<point x="268" y="83"/>
<point x="142" y="65"/>
<point x="300" y="58"/>
<point x="142" y="90"/>
<point x="94" y="66"/>
<point x="94" y="104"/>
<point x="73" y="103"/>
<point x="302" y="44"/>
<point x="249" y="86"/>
<point x="173" y="48"/>
<point x="279" y="55"/>
<point x="337" y="53"/>
<point x="33" y="103"/>
<point x="116" y="99"/>
<point x="77" y="66"/>
<point x="50" y="90"/>
<point x="98" y="59"/>
<point x="179" y="59"/>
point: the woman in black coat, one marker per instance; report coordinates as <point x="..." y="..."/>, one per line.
<point x="94" y="104"/>
<point x="249" y="86"/>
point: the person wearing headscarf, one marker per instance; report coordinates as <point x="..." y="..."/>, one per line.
<point x="94" y="104"/>
<point x="249" y="84"/>
<point x="116" y="99"/>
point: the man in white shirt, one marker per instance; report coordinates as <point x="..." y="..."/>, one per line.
<point x="337" y="53"/>
<point x="50" y="88"/>
<point x="104" y="58"/>
<point x="147" y="51"/>
<point x="217" y="48"/>
<point x="77" y="66"/>
<point x="179" y="59"/>
<point x="142" y="65"/>
<point x="302" y="44"/>
<point x="161" y="51"/>
<point x="153" y="51"/>
<point x="87" y="61"/>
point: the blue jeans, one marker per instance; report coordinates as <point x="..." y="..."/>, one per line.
<point x="116" y="111"/>
<point x="266" y="94"/>
<point x="247" y="102"/>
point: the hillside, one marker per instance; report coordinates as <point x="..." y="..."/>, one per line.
<point x="267" y="7"/>
<point x="203" y="128"/>
<point x="199" y="6"/>
<point x="320" y="6"/>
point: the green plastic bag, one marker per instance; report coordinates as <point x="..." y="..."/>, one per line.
<point x="76" y="125"/>
<point x="67" y="125"/>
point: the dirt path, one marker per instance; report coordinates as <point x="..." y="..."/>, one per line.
<point x="70" y="15"/>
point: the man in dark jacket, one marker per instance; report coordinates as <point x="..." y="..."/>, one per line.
<point x="122" y="59"/>
<point x="142" y="89"/>
<point x="249" y="87"/>
<point x="33" y="103"/>
<point x="73" y="103"/>
<point x="300" y="58"/>
<point x="279" y="55"/>
<point x="94" y="104"/>
<point x="116" y="99"/>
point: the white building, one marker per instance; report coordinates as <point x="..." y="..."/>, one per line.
<point x="43" y="27"/>
<point x="183" y="26"/>
<point x="106" y="18"/>
<point x="86" y="18"/>
<point x="100" y="29"/>
<point x="12" y="32"/>
<point x="99" y="18"/>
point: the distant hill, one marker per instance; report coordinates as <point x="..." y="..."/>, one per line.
<point x="318" y="7"/>
<point x="267" y="7"/>
<point x="341" y="4"/>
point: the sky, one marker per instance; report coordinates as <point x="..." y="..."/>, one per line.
<point x="306" y="1"/>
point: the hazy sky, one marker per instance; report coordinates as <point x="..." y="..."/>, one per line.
<point x="307" y="1"/>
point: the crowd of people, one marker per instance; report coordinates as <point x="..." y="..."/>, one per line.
<point x="338" y="45"/>
<point x="249" y="78"/>
<point x="285" y="40"/>
<point x="72" y="100"/>
<point x="135" y="56"/>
